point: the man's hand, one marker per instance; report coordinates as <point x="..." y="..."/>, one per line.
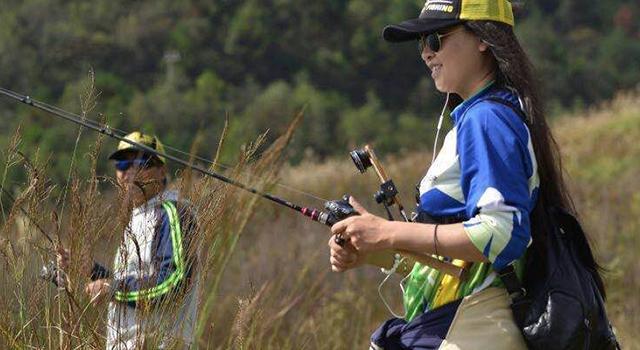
<point x="97" y="290"/>
<point x="62" y="258"/>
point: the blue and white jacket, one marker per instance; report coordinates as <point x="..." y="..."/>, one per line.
<point x="485" y="176"/>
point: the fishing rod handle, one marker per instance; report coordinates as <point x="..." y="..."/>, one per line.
<point x="440" y="265"/>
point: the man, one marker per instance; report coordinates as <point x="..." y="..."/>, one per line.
<point x="152" y="290"/>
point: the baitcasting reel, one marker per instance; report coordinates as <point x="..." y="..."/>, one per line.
<point x="339" y="210"/>
<point x="50" y="272"/>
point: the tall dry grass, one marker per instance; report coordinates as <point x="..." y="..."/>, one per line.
<point x="271" y="287"/>
<point x="87" y="217"/>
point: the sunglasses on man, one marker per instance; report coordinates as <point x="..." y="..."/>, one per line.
<point x="433" y="41"/>
<point x="142" y="163"/>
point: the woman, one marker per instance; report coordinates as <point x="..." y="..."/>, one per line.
<point x="481" y="199"/>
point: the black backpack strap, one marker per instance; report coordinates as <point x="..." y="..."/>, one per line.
<point x="512" y="282"/>
<point x="518" y="294"/>
<point x="515" y="108"/>
<point x="508" y="274"/>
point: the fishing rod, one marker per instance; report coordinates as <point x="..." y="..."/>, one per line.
<point x="337" y="210"/>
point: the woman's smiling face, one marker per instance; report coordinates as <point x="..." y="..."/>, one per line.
<point x="459" y="63"/>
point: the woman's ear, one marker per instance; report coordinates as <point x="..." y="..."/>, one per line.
<point x="483" y="46"/>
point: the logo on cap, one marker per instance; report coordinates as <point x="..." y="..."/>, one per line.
<point x="438" y="5"/>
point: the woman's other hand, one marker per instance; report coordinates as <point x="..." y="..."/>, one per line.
<point x="343" y="257"/>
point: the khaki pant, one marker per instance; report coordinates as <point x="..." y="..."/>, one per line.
<point x="484" y="321"/>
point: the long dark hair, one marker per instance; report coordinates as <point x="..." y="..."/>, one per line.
<point x="515" y="71"/>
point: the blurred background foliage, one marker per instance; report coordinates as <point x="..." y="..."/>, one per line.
<point x="176" y="68"/>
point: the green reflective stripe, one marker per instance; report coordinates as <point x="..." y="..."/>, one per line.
<point x="178" y="253"/>
<point x="177" y="275"/>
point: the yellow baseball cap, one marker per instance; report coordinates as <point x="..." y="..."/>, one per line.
<point x="439" y="14"/>
<point x="150" y="141"/>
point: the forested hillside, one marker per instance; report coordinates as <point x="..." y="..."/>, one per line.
<point x="177" y="67"/>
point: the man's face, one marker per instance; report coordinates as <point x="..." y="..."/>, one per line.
<point x="139" y="177"/>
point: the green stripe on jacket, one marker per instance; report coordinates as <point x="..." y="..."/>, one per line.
<point x="178" y="258"/>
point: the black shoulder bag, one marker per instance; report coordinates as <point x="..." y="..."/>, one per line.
<point x="562" y="307"/>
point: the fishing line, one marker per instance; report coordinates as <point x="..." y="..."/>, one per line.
<point x="122" y="133"/>
<point x="316" y="215"/>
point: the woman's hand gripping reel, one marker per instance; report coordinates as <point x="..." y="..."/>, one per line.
<point x="339" y="210"/>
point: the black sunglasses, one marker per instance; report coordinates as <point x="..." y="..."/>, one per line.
<point x="433" y="41"/>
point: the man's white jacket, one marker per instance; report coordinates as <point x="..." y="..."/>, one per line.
<point x="155" y="278"/>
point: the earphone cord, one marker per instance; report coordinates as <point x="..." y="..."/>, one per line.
<point x="388" y="273"/>
<point x="435" y="142"/>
